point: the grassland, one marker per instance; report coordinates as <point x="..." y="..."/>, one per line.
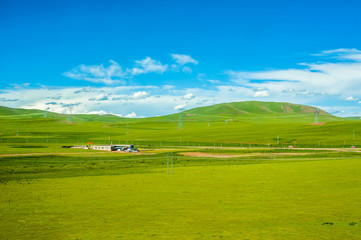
<point x="133" y="197"/>
<point x="257" y="189"/>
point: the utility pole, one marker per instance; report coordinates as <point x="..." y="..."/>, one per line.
<point x="168" y="163"/>
<point x="170" y="157"/>
<point x="316" y="112"/>
<point x="172" y="162"/>
<point x="70" y="109"/>
<point x="180" y="124"/>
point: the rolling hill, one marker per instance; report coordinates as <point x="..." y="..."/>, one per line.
<point x="19" y="113"/>
<point x="252" y="111"/>
<point x="254" y="108"/>
<point x="236" y="111"/>
<point x="227" y="123"/>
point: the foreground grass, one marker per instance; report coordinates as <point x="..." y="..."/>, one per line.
<point x="211" y="199"/>
<point x="59" y="162"/>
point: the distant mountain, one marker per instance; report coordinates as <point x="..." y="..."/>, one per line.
<point x="241" y="111"/>
<point x="19" y="113"/>
<point x="254" y="111"/>
<point x="254" y="108"/>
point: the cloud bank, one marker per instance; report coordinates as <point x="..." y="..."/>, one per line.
<point x="114" y="74"/>
<point x="330" y="80"/>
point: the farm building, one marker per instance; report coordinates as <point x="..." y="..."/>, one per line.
<point x="125" y="148"/>
<point x="104" y="147"/>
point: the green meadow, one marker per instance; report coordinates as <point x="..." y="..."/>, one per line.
<point x="136" y="198"/>
<point x="231" y="175"/>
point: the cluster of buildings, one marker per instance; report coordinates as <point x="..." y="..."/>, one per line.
<point x="110" y="148"/>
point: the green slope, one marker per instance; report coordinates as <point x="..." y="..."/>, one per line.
<point x="253" y="111"/>
<point x="247" y="122"/>
<point x="19" y="113"/>
<point x="236" y="110"/>
<point x="253" y="108"/>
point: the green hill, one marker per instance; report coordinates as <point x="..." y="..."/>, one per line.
<point x="253" y="108"/>
<point x="252" y="111"/>
<point x="228" y="123"/>
<point x="19" y="113"/>
<point x="219" y="112"/>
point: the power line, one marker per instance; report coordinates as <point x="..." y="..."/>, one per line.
<point x="180" y="124"/>
<point x="70" y="109"/>
<point x="316" y="112"/>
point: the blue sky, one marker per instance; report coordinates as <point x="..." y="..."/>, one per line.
<point x="145" y="58"/>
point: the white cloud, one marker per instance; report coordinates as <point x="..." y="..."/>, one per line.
<point x="214" y="81"/>
<point x="342" y="53"/>
<point x="325" y="78"/>
<point x="351" y="99"/>
<point x="337" y="51"/>
<point x="100" y="97"/>
<point x="100" y="112"/>
<point x="187" y="69"/>
<point x="168" y="87"/>
<point x="98" y="73"/>
<point x="56" y="97"/>
<point x="121" y="99"/>
<point x="8" y="100"/>
<point x="306" y="92"/>
<point x="85" y="89"/>
<point x="261" y="94"/>
<point x="179" y="107"/>
<point x="182" y="59"/>
<point x="148" y="65"/>
<point x="113" y="74"/>
<point x="140" y="95"/>
<point x="188" y="96"/>
<point x="70" y="104"/>
<point x="131" y="115"/>
<point x="15" y="85"/>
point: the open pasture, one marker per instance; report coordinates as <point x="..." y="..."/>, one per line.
<point x="161" y="134"/>
<point x="313" y="196"/>
<point x="234" y="176"/>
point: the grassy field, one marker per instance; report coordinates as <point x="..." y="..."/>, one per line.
<point x="234" y="175"/>
<point x="133" y="197"/>
<point x="340" y="133"/>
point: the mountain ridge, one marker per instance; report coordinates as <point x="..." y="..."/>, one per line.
<point x="246" y="109"/>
